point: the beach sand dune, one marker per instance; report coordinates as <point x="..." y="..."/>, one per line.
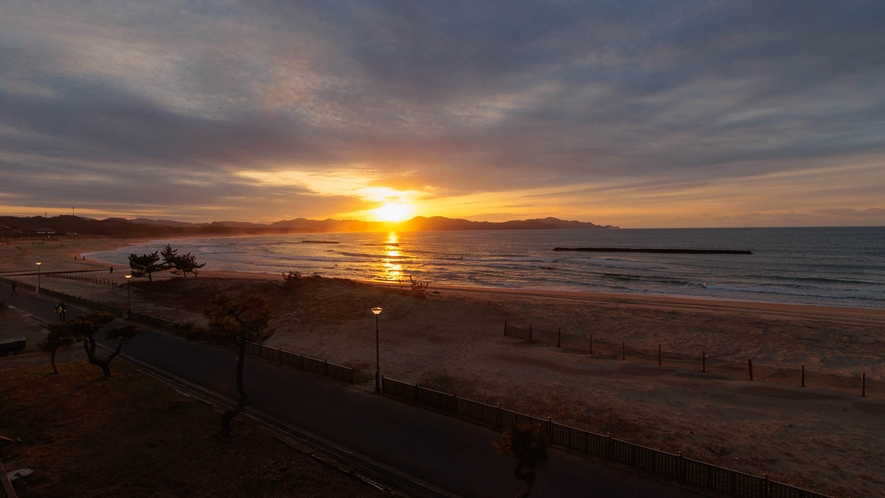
<point x="825" y="437"/>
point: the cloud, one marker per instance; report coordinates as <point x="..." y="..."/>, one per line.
<point x="170" y="101"/>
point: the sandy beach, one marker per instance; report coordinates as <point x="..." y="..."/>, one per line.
<point x="825" y="437"/>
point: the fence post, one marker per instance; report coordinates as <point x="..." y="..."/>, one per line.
<point x="750" y="367"/>
<point x="803" y="375"/>
<point x="549" y="428"/>
<point x="863" y="384"/>
<point x="703" y="361"/>
<point x="301" y="361"/>
<point x="530" y="332"/>
<point x="680" y="468"/>
<point x="766" y="486"/>
<point x="326" y="368"/>
<point x="609" y="446"/>
<point x="280" y="355"/>
<point x="455" y="404"/>
<point x="659" y="354"/>
<point x="558" y="336"/>
<point x="499" y="416"/>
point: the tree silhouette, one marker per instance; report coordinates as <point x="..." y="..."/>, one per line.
<point x="169" y="256"/>
<point x="237" y="323"/>
<point x="185" y="264"/>
<point x="146" y="264"/>
<point x="58" y="337"/>
<point x="525" y="442"/>
<point x="85" y="328"/>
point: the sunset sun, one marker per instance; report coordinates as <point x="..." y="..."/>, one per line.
<point x="393" y="211"/>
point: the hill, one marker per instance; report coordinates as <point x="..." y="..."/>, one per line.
<point x="11" y="226"/>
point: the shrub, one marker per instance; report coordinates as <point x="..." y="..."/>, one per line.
<point x="418" y="288"/>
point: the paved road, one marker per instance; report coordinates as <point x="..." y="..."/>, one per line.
<point x="449" y="453"/>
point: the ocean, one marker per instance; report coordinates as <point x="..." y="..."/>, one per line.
<point x="842" y="266"/>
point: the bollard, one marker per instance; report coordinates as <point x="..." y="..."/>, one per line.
<point x="863" y="384"/>
<point x="703" y="361"/>
<point x="803" y="375"/>
<point x="750" y="367"/>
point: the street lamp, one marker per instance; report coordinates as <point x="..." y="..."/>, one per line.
<point x="38" y="276"/>
<point x="129" y="293"/>
<point x="377" y="311"/>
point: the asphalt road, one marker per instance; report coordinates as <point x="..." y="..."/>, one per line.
<point x="449" y="453"/>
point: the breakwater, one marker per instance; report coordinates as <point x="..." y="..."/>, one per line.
<point x="658" y="251"/>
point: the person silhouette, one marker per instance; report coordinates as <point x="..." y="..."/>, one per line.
<point x="14" y="285"/>
<point x="61" y="309"/>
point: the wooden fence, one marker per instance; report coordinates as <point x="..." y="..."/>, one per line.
<point x="82" y="278"/>
<point x="698" y="360"/>
<point x="661" y="463"/>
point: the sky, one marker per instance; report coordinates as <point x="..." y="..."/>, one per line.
<point x="636" y="114"/>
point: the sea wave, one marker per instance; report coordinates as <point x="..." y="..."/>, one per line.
<point x="831" y="266"/>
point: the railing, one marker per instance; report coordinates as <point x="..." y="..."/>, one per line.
<point x="300" y="361"/>
<point x="322" y="367"/>
<point x="80" y="301"/>
<point x="80" y="278"/>
<point x="677" y="467"/>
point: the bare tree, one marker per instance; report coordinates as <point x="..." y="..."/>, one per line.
<point x="530" y="449"/>
<point x="237" y="323"/>
<point x="58" y="337"/>
<point x="86" y="328"/>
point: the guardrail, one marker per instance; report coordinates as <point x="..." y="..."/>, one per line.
<point x="662" y="463"/>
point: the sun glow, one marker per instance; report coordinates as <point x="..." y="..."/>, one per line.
<point x="393" y="211"/>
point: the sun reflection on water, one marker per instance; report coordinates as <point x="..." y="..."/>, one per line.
<point x="393" y="270"/>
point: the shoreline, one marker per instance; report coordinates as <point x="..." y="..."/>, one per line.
<point x="90" y="245"/>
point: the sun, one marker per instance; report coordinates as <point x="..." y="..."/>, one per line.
<point x="393" y="211"/>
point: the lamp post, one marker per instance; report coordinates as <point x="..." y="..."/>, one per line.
<point x="377" y="311"/>
<point x="129" y="293"/>
<point x="38" y="276"/>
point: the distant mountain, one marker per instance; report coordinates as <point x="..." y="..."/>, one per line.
<point x="440" y="223"/>
<point x="166" y="223"/>
<point x="11" y="226"/>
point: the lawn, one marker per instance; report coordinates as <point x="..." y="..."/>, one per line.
<point x="130" y="435"/>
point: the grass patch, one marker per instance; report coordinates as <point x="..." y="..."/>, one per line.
<point x="131" y="435"/>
